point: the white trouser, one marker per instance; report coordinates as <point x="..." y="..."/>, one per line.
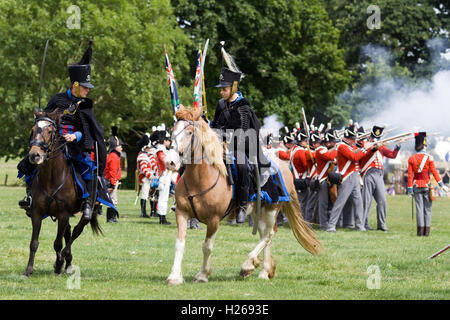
<point x="145" y="189"/>
<point x="164" y="189"/>
<point x="113" y="194"/>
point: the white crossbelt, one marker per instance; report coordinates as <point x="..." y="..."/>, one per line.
<point x="422" y="164"/>
<point x="372" y="159"/>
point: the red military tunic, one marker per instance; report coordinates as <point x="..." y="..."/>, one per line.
<point x="296" y="156"/>
<point x="347" y="159"/>
<point x="113" y="172"/>
<point x="324" y="159"/>
<point x="374" y="159"/>
<point x="147" y="166"/>
<point x="419" y="167"/>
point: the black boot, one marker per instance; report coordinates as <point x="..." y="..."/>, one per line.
<point x="241" y="215"/>
<point x="420" y="231"/>
<point x="153" y="206"/>
<point x="144" y="209"/>
<point x="111" y="216"/>
<point x="162" y="220"/>
<point x="426" y="231"/>
<point x="25" y="203"/>
<point x="88" y="204"/>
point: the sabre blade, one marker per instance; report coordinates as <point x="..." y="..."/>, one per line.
<point x="41" y="77"/>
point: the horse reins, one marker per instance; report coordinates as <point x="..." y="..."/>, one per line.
<point x="191" y="197"/>
<point x="47" y="148"/>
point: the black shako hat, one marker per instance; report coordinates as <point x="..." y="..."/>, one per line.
<point x="114" y="142"/>
<point x="421" y="140"/>
<point x="81" y="71"/>
<point x="377" y="132"/>
<point x="329" y="135"/>
<point x="228" y="77"/>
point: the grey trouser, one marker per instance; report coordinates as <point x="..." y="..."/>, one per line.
<point x="325" y="205"/>
<point x="311" y="203"/>
<point x="423" y="206"/>
<point x="349" y="189"/>
<point x="348" y="215"/>
<point x="374" y="188"/>
<point x="303" y="199"/>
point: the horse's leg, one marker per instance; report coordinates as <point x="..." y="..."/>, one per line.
<point x="36" y="221"/>
<point x="68" y="256"/>
<point x="75" y="234"/>
<point x="265" y="228"/>
<point x="268" y="267"/>
<point x="176" y="276"/>
<point x="63" y="221"/>
<point x="207" y="247"/>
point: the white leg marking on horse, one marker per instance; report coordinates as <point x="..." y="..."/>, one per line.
<point x="206" y="269"/>
<point x="176" y="276"/>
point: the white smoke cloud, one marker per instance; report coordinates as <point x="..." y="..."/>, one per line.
<point x="271" y="125"/>
<point x="425" y="107"/>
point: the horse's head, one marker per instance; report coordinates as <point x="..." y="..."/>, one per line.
<point x="43" y="135"/>
<point x="183" y="136"/>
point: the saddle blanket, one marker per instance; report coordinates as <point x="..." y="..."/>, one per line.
<point x="273" y="188"/>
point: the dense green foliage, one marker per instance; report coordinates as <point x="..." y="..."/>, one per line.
<point x="294" y="53"/>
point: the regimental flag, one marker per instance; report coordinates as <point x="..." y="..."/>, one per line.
<point x="172" y="86"/>
<point x="198" y="82"/>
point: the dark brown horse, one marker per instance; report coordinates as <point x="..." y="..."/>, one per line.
<point x="53" y="191"/>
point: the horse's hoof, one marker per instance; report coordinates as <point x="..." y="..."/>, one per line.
<point x="245" y="273"/>
<point x="69" y="270"/>
<point x="263" y="275"/>
<point x="174" y="282"/>
<point x="25" y="275"/>
<point x="200" y="278"/>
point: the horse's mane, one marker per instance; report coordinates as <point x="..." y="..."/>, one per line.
<point x="211" y="145"/>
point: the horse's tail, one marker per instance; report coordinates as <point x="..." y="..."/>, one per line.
<point x="94" y="223"/>
<point x="302" y="232"/>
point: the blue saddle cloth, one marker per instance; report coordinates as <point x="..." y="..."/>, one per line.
<point x="82" y="167"/>
<point x="274" y="189"/>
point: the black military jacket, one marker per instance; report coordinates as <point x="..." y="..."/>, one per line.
<point x="84" y="120"/>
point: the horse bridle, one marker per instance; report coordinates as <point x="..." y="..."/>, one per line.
<point x="190" y="123"/>
<point x="47" y="148"/>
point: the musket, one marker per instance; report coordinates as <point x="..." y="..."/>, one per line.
<point x="305" y="123"/>
<point x="434" y="255"/>
<point x="395" y="138"/>
<point x="42" y="73"/>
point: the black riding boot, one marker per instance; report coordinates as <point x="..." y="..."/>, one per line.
<point x="144" y="209"/>
<point x="88" y="204"/>
<point x="153" y="212"/>
<point x="162" y="220"/>
<point x="111" y="216"/>
<point x="241" y="215"/>
<point x="26" y="202"/>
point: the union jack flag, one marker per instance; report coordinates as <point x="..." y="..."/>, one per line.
<point x="172" y="86"/>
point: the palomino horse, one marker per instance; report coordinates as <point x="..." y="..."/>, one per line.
<point x="53" y="191"/>
<point x="203" y="192"/>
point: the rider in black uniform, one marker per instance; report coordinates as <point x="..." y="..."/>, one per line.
<point x="79" y="128"/>
<point x="234" y="112"/>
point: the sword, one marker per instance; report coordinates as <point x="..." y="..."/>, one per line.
<point x="41" y="78"/>
<point x="434" y="255"/>
<point x="94" y="198"/>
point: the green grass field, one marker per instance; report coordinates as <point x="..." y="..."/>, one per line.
<point x="133" y="259"/>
